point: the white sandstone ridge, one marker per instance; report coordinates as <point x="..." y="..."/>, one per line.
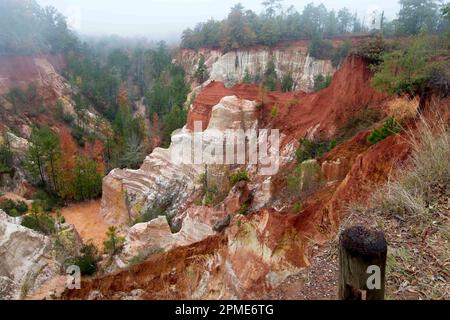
<point x="164" y="182"/>
<point x="232" y="66"/>
<point x="26" y="259"/>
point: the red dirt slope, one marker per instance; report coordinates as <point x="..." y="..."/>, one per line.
<point x="300" y="113"/>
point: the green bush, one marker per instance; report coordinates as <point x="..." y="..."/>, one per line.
<point x="39" y="221"/>
<point x="321" y="82"/>
<point x="287" y="83"/>
<point x="87" y="261"/>
<point x="239" y="176"/>
<point x="114" y="242"/>
<point x="47" y="201"/>
<point x="148" y="215"/>
<point x="389" y="128"/>
<point x="211" y="196"/>
<point x="297" y="207"/>
<point x="371" y="50"/>
<point x="243" y="210"/>
<point x="5" y="159"/>
<point x="13" y="208"/>
<point x="313" y="149"/>
<point x="320" y="49"/>
<point x="274" y="112"/>
<point x="362" y="121"/>
<point x="78" y="134"/>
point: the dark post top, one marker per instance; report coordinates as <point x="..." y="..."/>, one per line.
<point x="363" y="243"/>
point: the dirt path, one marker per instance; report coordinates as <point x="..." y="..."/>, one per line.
<point x="88" y="221"/>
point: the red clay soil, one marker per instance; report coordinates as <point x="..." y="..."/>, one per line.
<point x="157" y="276"/>
<point x="21" y="71"/>
<point x="298" y="112"/>
<point x="366" y="166"/>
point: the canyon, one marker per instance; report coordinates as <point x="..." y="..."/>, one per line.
<point x="255" y="252"/>
<point x="249" y="239"/>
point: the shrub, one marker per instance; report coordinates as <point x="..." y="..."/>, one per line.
<point x="239" y="176"/>
<point x="321" y="82"/>
<point x="211" y="196"/>
<point x="39" y="221"/>
<point x="270" y="76"/>
<point x="114" y="242"/>
<point x="87" y="261"/>
<point x="78" y="134"/>
<point x="320" y="49"/>
<point x="287" y="83"/>
<point x="243" y="210"/>
<point x="201" y="74"/>
<point x="413" y="69"/>
<point x="371" y="50"/>
<point x="364" y="120"/>
<point x="47" y="201"/>
<point x="414" y="194"/>
<point x="274" y="111"/>
<point x="149" y="215"/>
<point x="313" y="149"/>
<point x="297" y="207"/>
<point x="247" y="77"/>
<point x="389" y="128"/>
<point x="6" y="158"/>
<point x="13" y="208"/>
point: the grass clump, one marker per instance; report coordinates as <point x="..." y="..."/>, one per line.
<point x="239" y="176"/>
<point x="414" y="195"/>
<point x="389" y="128"/>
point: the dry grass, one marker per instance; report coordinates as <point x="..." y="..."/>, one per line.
<point x="413" y="211"/>
<point x="414" y="196"/>
<point x="402" y="108"/>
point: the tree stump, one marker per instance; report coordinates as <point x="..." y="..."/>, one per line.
<point x="362" y="264"/>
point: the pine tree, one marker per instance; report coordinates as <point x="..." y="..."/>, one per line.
<point x="114" y="242"/>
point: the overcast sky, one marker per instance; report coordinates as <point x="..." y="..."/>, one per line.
<point x="166" y="19"/>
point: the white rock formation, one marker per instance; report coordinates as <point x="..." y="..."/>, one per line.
<point x="25" y="259"/>
<point x="161" y="181"/>
<point x="231" y="67"/>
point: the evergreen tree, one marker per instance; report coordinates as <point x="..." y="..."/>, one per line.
<point x="247" y="77"/>
<point x="270" y="76"/>
<point x="88" y="180"/>
<point x="42" y="155"/>
<point x="417" y="15"/>
<point x="114" y="242"/>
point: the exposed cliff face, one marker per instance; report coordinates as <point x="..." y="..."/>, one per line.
<point x="40" y="71"/>
<point x="231" y="67"/>
<point x="245" y="256"/>
<point x="161" y="182"/>
<point x="25" y="259"/>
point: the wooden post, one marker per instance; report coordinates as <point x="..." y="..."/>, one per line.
<point x="362" y="264"/>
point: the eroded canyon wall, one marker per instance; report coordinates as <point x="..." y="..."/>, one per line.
<point x="231" y="67"/>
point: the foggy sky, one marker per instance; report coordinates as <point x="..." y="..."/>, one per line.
<point x="166" y="19"/>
